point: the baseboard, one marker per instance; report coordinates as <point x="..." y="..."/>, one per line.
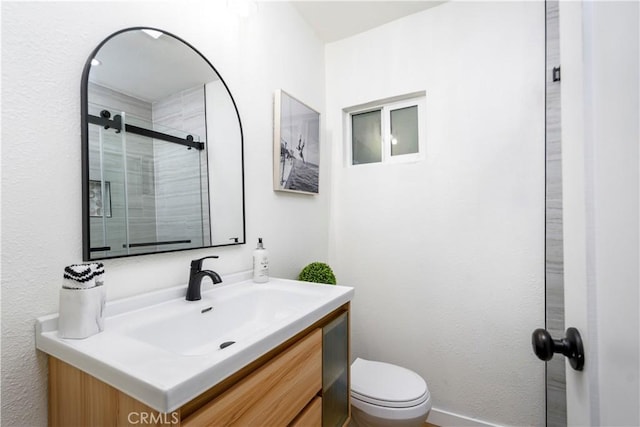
<point x="442" y="418"/>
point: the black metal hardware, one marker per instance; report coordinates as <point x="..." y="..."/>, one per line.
<point x="169" y="242"/>
<point x="235" y="239"/>
<point x="100" y="249"/>
<point x="116" y="123"/>
<point x="196" y="275"/>
<point x="196" y="264"/>
<point x="545" y="347"/>
<point x="556" y="74"/>
<point x="105" y="115"/>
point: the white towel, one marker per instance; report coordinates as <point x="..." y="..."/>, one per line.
<point x="81" y="312"/>
<point x="83" y="276"/>
<point x="82" y="301"/>
<point x="98" y="274"/>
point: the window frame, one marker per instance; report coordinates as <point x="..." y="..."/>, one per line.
<point x="350" y="134"/>
<point x="386" y="107"/>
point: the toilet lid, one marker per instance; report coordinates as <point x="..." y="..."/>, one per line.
<point x="385" y="384"/>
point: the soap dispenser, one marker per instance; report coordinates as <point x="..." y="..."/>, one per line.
<point x="260" y="263"/>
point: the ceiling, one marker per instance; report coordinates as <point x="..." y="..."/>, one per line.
<point x="335" y="20"/>
<point x="331" y="20"/>
<point x="148" y="68"/>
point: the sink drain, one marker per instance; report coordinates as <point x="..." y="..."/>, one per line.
<point x="226" y="344"/>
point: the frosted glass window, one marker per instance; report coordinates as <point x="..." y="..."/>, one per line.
<point x="404" y="131"/>
<point x="387" y="131"/>
<point x="366" y="139"/>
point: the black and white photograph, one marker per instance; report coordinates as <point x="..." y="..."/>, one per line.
<point x="296" y="156"/>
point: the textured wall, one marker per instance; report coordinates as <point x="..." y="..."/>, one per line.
<point x="447" y="254"/>
<point x="44" y="48"/>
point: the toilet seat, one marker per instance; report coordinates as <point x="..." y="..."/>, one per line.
<point x="418" y="413"/>
<point x="390" y="404"/>
<point x="386" y="385"/>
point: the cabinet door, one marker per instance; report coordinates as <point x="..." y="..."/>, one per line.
<point x="311" y="416"/>
<point x="271" y="396"/>
<point x="335" y="372"/>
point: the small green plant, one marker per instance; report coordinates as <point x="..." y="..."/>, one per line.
<point x="318" y="272"/>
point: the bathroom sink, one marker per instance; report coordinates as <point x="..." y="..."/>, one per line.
<point x="223" y="318"/>
<point x="164" y="351"/>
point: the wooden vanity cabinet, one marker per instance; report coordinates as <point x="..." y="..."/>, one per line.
<point x="272" y="395"/>
<point x="304" y="382"/>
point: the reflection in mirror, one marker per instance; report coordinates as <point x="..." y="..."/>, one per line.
<point x="162" y="149"/>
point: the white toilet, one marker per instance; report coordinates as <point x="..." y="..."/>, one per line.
<point x="387" y="395"/>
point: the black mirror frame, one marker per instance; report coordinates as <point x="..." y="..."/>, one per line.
<point x="84" y="136"/>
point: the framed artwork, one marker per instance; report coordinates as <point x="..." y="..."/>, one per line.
<point x="99" y="204"/>
<point x="296" y="145"/>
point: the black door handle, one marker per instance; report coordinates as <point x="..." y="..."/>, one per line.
<point x="544" y="346"/>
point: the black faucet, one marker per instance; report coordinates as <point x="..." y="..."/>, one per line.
<point x="196" y="275"/>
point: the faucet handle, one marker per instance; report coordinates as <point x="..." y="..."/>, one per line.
<point x="196" y="264"/>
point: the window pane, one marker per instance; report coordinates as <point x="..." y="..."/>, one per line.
<point x="366" y="137"/>
<point x="404" y="131"/>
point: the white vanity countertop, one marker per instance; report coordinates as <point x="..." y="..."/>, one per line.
<point x="162" y="374"/>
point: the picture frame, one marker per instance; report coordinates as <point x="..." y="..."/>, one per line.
<point x="296" y="146"/>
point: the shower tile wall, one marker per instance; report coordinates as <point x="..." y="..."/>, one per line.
<point x="140" y="175"/>
<point x="180" y="206"/>
<point x="554" y="269"/>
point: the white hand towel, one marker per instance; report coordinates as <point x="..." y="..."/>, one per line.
<point x="79" y="276"/>
<point x="98" y="273"/>
<point x="82" y="301"/>
<point x="81" y="312"/>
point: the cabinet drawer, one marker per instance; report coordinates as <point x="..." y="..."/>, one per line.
<point x="273" y="395"/>
<point x="311" y="416"/>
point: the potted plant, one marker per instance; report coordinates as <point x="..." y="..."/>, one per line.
<point x="317" y="272"/>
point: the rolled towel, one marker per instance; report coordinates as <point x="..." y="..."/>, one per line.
<point x="98" y="274"/>
<point x="82" y="276"/>
<point x="82" y="301"/>
<point x="81" y="312"/>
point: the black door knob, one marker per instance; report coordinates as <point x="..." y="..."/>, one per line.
<point x="545" y="347"/>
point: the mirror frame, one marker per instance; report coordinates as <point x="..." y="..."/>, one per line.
<point x="84" y="134"/>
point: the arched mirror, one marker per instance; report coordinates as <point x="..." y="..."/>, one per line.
<point x="162" y="155"/>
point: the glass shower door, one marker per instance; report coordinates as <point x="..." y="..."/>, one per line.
<point x="107" y="213"/>
<point x="145" y="191"/>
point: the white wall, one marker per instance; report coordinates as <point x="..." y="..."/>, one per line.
<point x="44" y="48"/>
<point x="447" y="254"/>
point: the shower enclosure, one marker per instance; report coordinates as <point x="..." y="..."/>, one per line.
<point x="145" y="186"/>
